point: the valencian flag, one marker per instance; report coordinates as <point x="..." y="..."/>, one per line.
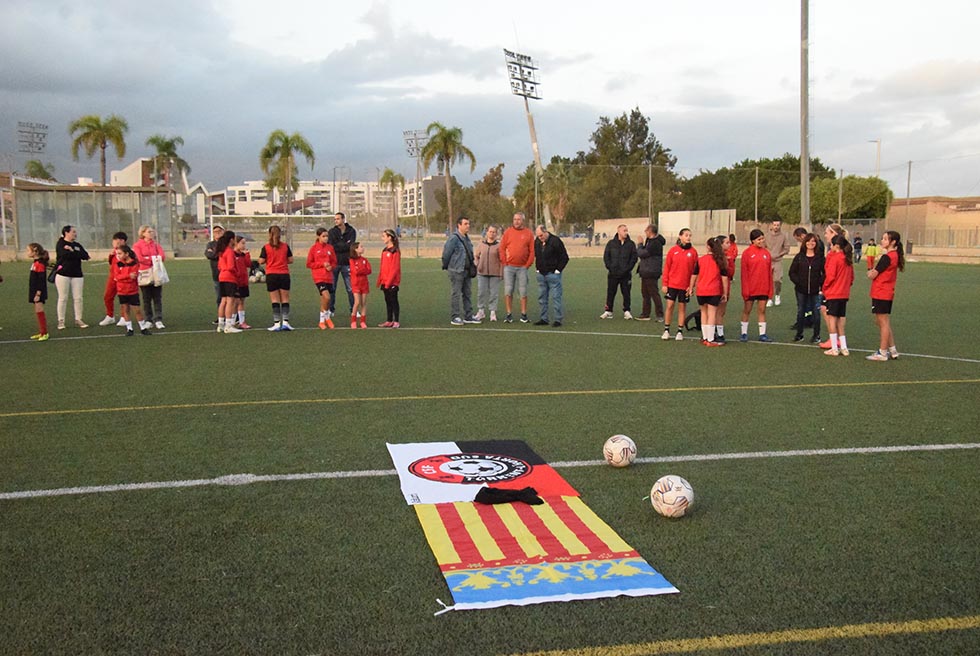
<point x="514" y="553"/>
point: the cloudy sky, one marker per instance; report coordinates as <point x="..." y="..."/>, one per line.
<point x="718" y="79"/>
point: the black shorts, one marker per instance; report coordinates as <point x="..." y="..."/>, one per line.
<point x="709" y="300"/>
<point x="324" y="287"/>
<point x="879" y="306"/>
<point x="276" y="281"/>
<point x="242" y="292"/>
<point x="679" y="295"/>
<point x="228" y="289"/>
<point x="129" y="299"/>
<point x="758" y="297"/>
<point x="836" y="307"/>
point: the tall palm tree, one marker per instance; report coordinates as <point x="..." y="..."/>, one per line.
<point x="166" y="158"/>
<point x="278" y="161"/>
<point x="558" y="180"/>
<point x="91" y="132"/>
<point x="389" y="181"/>
<point x="446" y="147"/>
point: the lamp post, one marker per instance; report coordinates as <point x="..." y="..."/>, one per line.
<point x="877" y="156"/>
<point x="524" y="82"/>
<point x="804" y="112"/>
<point x="415" y="141"/>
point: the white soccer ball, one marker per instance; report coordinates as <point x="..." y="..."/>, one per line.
<point x="253" y="279"/>
<point x="619" y="451"/>
<point x="672" y="496"/>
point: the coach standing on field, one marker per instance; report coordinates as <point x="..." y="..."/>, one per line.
<point x="341" y="236"/>
<point x="778" y="244"/>
<point x="551" y="258"/>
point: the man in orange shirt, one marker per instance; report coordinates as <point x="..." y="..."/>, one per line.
<point x="517" y="256"/>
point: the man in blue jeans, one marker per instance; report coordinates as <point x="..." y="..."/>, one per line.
<point x="550" y="259"/>
<point x="457" y="258"/>
<point x="341" y="236"/>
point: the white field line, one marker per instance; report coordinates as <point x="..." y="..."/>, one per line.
<point x="247" y="479"/>
<point x="541" y="331"/>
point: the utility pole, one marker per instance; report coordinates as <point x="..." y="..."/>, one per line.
<point x="415" y="141"/>
<point x="804" y="112"/>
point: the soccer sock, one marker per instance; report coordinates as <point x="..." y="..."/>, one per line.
<point x="833" y="341"/>
<point x="221" y="322"/>
<point x="323" y="316"/>
<point x="893" y="350"/>
<point x="745" y="327"/>
<point x="762" y="327"/>
<point x="277" y="312"/>
<point x="706" y="332"/>
<point x="285" y="312"/>
<point x="42" y="322"/>
<point x="843" y="342"/>
<point x="720" y="330"/>
<point x="129" y="325"/>
<point x="241" y="316"/>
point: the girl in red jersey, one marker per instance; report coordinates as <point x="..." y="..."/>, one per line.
<point x="390" y="277"/>
<point x="837" y="281"/>
<point x="227" y="282"/>
<point x="711" y="280"/>
<point x="883" y="278"/>
<point x="360" y="269"/>
<point x="321" y="260"/>
<point x="678" y="269"/>
<point x="38" y="287"/>
<point x="125" y="271"/>
<point x="730" y="248"/>
<point x="756" y="284"/>
<point x="243" y="262"/>
<point x="277" y="256"/>
<point x="109" y="296"/>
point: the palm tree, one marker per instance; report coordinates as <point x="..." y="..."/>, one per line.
<point x="94" y="132"/>
<point x="35" y="168"/>
<point x="446" y="147"/>
<point x="524" y="192"/>
<point x="558" y="180"/>
<point x="278" y="161"/>
<point x="389" y="180"/>
<point x="166" y="158"/>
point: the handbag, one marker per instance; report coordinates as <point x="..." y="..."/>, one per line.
<point x="470" y="264"/>
<point x="54" y="272"/>
<point x="160" y="276"/>
<point x="144" y="278"/>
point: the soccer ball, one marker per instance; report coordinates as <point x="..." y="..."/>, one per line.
<point x="619" y="451"/>
<point x="672" y="496"/>
<point x="253" y="278"/>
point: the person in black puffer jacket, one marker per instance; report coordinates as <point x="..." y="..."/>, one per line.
<point x="619" y="258"/>
<point x="650" y="251"/>
<point x="807" y="273"/>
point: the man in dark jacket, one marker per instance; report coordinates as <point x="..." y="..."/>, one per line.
<point x="550" y="258"/>
<point x="619" y="258"/>
<point x="651" y="254"/>
<point x="341" y="236"/>
<point x="211" y="253"/>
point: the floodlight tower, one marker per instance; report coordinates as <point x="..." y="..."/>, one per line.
<point x="415" y="141"/>
<point x="524" y="82"/>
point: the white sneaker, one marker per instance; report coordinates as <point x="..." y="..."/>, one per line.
<point x="220" y="328"/>
<point x="479" y="315"/>
<point x="679" y="337"/>
<point x="159" y="325"/>
<point x="108" y="321"/>
<point x="121" y="323"/>
<point x="274" y="328"/>
<point x="769" y="303"/>
<point x="606" y="315"/>
<point x="666" y="335"/>
<point x="778" y="300"/>
<point x="627" y="315"/>
<point x="232" y="329"/>
<point x="286" y="326"/>
<point x="493" y="315"/>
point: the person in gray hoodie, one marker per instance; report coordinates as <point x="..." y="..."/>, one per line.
<point x="457" y="260"/>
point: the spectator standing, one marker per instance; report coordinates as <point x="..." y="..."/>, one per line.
<point x="620" y="258"/>
<point x="650" y="252"/>
<point x="210" y="252"/>
<point x="489" y="271"/>
<point x="146" y="248"/>
<point x="870" y="253"/>
<point x="517" y="256"/>
<point x="551" y="258"/>
<point x="806" y="271"/>
<point x="778" y="244"/>
<point x="457" y="260"/>
<point x="69" y="255"/>
<point x="856" y="245"/>
<point x="342" y="235"/>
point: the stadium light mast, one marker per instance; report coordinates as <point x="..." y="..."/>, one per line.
<point x="877" y="156"/>
<point x="804" y="112"/>
<point x="415" y="141"/>
<point x="524" y="82"/>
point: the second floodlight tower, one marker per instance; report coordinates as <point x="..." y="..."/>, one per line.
<point x="524" y="82"/>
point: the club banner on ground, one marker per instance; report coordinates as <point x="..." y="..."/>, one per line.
<point x="515" y="553"/>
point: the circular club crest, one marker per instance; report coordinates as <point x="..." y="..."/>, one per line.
<point x="469" y="468"/>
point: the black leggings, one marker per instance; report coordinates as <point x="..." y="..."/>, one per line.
<point x="391" y="301"/>
<point x="152" y="296"/>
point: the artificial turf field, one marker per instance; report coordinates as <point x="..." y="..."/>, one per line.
<point x="775" y="546"/>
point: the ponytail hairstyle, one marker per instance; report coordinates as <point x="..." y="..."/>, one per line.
<point x="226" y="238"/>
<point x="40" y="254"/>
<point x="755" y="234"/>
<point x="896" y="239"/>
<point x="394" y="239"/>
<point x="845" y="246"/>
<point x="838" y="230"/>
<point x="129" y="252"/>
<point x="717" y="254"/>
<point x="275" y="236"/>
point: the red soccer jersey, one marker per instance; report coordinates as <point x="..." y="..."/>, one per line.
<point x="319" y="255"/>
<point x="709" y="277"/>
<point x="756" y="272"/>
<point x="125" y="277"/>
<point x="730" y="256"/>
<point x="391" y="268"/>
<point x="243" y="261"/>
<point x="883" y="286"/>
<point x="276" y="258"/>
<point x="360" y="269"/>
<point x="838" y="277"/>
<point x="679" y="267"/>
<point x="226" y="266"/>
